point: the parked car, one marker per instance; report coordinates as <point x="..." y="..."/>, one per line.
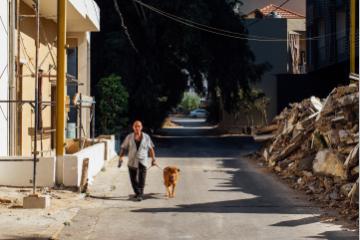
<point x="198" y="113"/>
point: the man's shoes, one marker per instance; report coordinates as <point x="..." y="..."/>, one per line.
<point x="139" y="198"/>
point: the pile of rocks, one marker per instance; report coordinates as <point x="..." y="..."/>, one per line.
<point x="315" y="145"/>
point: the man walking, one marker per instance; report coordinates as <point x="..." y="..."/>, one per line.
<point x="139" y="146"/>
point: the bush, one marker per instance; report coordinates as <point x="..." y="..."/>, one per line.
<point x="190" y="101"/>
<point x="112" y="104"/>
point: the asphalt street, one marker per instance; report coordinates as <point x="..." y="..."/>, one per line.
<point x="220" y="195"/>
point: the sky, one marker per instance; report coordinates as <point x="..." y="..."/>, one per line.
<point x="298" y="6"/>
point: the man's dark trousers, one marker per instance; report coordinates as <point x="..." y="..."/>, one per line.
<point x="137" y="177"/>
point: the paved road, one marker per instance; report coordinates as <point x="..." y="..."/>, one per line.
<point x="221" y="195"/>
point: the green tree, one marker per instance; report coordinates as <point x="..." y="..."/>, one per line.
<point x="112" y="104"/>
<point x="169" y="54"/>
<point x="190" y="101"/>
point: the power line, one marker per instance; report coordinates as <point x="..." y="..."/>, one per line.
<point x="117" y="8"/>
<point x="237" y="36"/>
<point x="224" y="32"/>
<point x="192" y="22"/>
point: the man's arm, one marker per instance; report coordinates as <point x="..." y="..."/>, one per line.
<point x="122" y="154"/>
<point x="152" y="155"/>
<point x="123" y="149"/>
<point x="121" y="157"/>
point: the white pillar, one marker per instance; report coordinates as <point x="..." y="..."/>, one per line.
<point x="4" y="77"/>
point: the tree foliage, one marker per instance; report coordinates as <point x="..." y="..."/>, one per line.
<point x="112" y="105"/>
<point x="190" y="101"/>
<point x="170" y="53"/>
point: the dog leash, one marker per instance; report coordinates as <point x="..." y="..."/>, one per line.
<point x="156" y="166"/>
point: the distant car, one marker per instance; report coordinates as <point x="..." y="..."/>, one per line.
<point x="199" y="113"/>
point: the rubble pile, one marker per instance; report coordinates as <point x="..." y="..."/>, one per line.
<point x="315" y="146"/>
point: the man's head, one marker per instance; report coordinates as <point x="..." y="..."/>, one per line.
<point x="137" y="127"/>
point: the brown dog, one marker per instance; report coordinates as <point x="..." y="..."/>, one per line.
<point x="171" y="176"/>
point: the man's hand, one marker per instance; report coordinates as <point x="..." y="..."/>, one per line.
<point x="153" y="163"/>
<point x="120" y="162"/>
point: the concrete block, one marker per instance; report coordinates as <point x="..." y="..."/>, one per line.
<point x="35" y="201"/>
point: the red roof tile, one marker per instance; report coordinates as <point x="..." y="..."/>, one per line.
<point x="283" y="12"/>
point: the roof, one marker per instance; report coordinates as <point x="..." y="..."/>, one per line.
<point x="282" y="12"/>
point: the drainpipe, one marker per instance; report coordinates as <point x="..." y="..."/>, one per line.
<point x="352" y="35"/>
<point x="60" y="83"/>
<point x="12" y="80"/>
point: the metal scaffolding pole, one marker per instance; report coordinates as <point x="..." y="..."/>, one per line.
<point x="37" y="41"/>
<point x="60" y="86"/>
<point x="12" y="79"/>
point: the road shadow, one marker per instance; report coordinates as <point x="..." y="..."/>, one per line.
<point x="204" y="147"/>
<point x="128" y="197"/>
<point x="268" y="195"/>
<point x="297" y="222"/>
<point x="336" y="235"/>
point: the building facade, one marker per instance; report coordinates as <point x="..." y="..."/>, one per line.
<point x="82" y="18"/>
<point x="285" y="56"/>
<point x="329" y="23"/>
<point x="328" y="51"/>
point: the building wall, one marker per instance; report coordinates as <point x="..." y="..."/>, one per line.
<point x="4" y="77"/>
<point x="296" y="25"/>
<point x="83" y="48"/>
<point x="274" y="53"/>
<point x="48" y="32"/>
<point x="330" y="22"/>
<point x="46" y="63"/>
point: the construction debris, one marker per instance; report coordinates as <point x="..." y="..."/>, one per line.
<point x="315" y="146"/>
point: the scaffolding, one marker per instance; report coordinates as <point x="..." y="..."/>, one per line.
<point x="38" y="105"/>
<point x="33" y="103"/>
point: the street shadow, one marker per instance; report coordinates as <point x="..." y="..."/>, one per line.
<point x="127" y="198"/>
<point x="332" y="235"/>
<point x="297" y="222"/>
<point x="204" y="147"/>
<point x="263" y="195"/>
<point x="267" y="196"/>
<point x="337" y="235"/>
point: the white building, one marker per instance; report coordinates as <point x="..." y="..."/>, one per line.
<point x="4" y="76"/>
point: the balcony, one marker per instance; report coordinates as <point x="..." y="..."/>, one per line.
<point x="82" y="15"/>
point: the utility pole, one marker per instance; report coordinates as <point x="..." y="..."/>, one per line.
<point x="36" y="93"/>
<point x="60" y="83"/>
<point x="352" y="36"/>
<point x="12" y="79"/>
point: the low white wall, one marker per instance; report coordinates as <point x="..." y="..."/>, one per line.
<point x="65" y="170"/>
<point x="20" y="174"/>
<point x="69" y="168"/>
<point x="110" y="150"/>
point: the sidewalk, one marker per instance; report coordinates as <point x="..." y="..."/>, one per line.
<point x="19" y="223"/>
